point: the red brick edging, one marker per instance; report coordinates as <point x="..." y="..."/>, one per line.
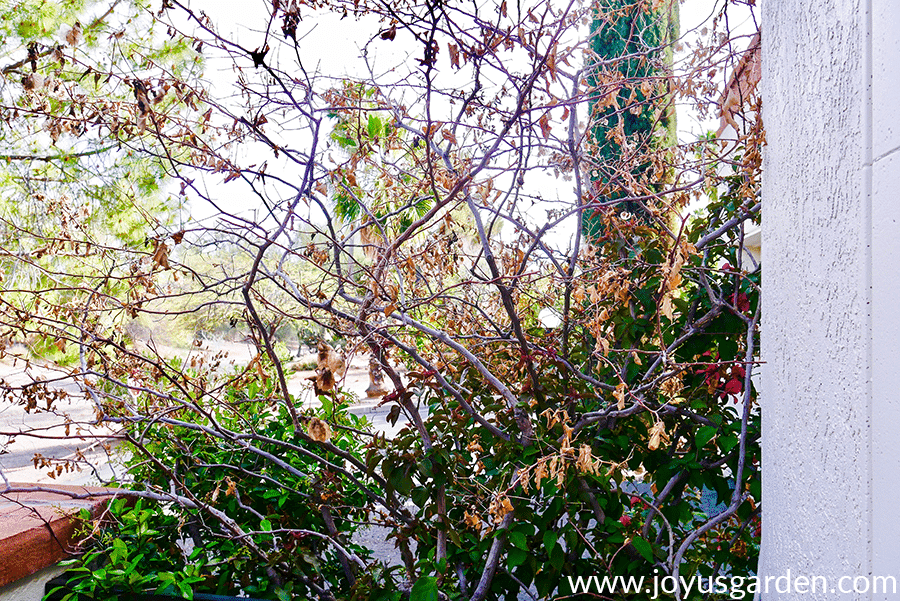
<point x="36" y="527"/>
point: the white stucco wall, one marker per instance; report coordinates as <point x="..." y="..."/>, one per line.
<point x="30" y="588"/>
<point x="831" y="335"/>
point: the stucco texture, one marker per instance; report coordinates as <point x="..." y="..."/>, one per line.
<point x="831" y="256"/>
<point x="815" y="258"/>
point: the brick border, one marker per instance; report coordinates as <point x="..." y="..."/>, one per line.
<point x="37" y="528"/>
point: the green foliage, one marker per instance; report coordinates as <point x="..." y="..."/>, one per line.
<point x="165" y="548"/>
<point x="371" y="141"/>
<point x="80" y="210"/>
<point x="134" y="557"/>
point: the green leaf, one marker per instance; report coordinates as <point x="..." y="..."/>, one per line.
<point x="425" y="589"/>
<point x="756" y="488"/>
<point x="728" y="350"/>
<point x="186" y="591"/>
<point x="55" y="589"/>
<point x="726" y="443"/>
<point x="643" y="547"/>
<point x="265" y="525"/>
<point x="134" y="563"/>
<point x="517" y="539"/>
<point x="704" y="435"/>
<point x="557" y="557"/>
<point x="374" y="126"/>
<point x="549" y="541"/>
<point x="517" y="557"/>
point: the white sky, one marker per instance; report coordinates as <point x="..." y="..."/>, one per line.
<point x="332" y="46"/>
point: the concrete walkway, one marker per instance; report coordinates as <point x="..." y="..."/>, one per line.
<point x="48" y="436"/>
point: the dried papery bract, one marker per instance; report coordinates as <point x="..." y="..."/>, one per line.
<point x="319" y="430"/>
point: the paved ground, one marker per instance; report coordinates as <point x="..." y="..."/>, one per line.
<point x="17" y="452"/>
<point x="48" y="435"/>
